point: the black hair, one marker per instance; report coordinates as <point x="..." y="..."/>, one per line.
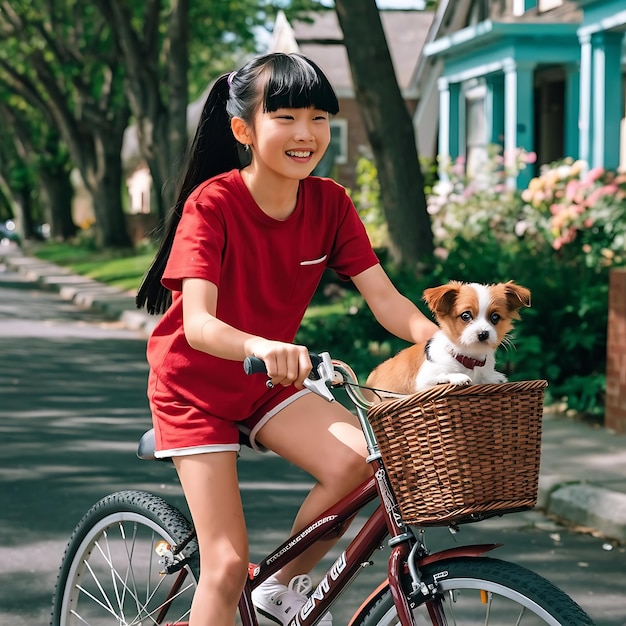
<point x="289" y="81"/>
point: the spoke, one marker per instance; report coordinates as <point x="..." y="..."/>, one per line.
<point x="130" y="571"/>
<point x="75" y="614"/>
<point x="451" y="601"/>
<point x="105" y="596"/>
<point x="521" y="614"/>
<point x="149" y="614"/>
<point x="114" y="575"/>
<point x="108" y="609"/>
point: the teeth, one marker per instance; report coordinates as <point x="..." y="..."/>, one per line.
<point x="297" y="153"/>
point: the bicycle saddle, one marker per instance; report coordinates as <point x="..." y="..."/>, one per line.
<point x="145" y="449"/>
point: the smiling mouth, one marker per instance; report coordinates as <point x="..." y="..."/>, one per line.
<point x="300" y="154"/>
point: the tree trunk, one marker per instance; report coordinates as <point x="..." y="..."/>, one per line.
<point x="390" y="131"/>
<point x="101" y="170"/>
<point x="158" y="103"/>
<point x="57" y="192"/>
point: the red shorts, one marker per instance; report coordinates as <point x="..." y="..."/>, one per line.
<point x="184" y="429"/>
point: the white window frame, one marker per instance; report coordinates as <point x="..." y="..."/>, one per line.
<point x="475" y="93"/>
<point x="548" y="5"/>
<point x="341" y="125"/>
<point x="521" y="6"/>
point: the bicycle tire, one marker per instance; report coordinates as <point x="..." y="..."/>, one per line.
<point x="111" y="572"/>
<point x="484" y="591"/>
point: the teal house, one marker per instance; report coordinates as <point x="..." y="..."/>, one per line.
<point x="546" y="76"/>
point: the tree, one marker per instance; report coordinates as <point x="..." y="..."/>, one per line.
<point x="171" y="50"/>
<point x="36" y="162"/>
<point x="59" y="57"/>
<point x="155" y="53"/>
<point x="389" y="129"/>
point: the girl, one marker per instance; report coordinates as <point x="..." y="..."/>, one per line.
<point x="249" y="239"/>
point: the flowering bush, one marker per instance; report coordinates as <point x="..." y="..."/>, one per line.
<point x="558" y="237"/>
<point x="463" y="207"/>
<point x="581" y="211"/>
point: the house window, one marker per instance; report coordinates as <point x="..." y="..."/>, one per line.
<point x="521" y="6"/>
<point x="475" y="129"/>
<point x="547" y="5"/>
<point x="339" y="140"/>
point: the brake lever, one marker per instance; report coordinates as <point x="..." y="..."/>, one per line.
<point x="324" y="373"/>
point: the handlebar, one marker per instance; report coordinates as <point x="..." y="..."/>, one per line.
<point x="319" y="381"/>
<point x="327" y="373"/>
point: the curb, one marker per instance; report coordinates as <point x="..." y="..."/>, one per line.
<point x="85" y="293"/>
<point x="580" y="503"/>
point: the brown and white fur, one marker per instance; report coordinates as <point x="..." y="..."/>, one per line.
<point x="474" y="320"/>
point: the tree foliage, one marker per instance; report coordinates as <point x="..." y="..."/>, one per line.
<point x="59" y="57"/>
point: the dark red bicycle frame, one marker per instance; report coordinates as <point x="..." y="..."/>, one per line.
<point x="380" y="524"/>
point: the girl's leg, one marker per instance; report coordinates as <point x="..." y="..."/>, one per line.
<point x="212" y="492"/>
<point x="326" y="441"/>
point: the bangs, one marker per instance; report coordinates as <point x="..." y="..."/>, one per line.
<point x="297" y="83"/>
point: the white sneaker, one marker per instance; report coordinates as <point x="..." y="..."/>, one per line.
<point x="281" y="603"/>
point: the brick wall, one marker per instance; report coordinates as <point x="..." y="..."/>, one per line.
<point x="615" y="410"/>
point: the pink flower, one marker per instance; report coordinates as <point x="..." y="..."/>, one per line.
<point x="570" y="190"/>
<point x="593" y="175"/>
<point x="531" y="157"/>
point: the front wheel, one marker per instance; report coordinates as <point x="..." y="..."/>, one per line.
<point x="119" y="568"/>
<point x="484" y="591"/>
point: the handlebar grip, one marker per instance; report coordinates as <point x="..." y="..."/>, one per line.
<point x="254" y="365"/>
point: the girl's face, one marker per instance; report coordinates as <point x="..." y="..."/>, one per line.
<point x="290" y="142"/>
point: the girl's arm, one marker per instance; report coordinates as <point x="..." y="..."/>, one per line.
<point x="393" y="310"/>
<point x="286" y="363"/>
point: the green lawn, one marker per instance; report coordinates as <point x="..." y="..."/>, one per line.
<point x="123" y="270"/>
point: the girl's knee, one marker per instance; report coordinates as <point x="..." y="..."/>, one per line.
<point x="348" y="470"/>
<point x="226" y="574"/>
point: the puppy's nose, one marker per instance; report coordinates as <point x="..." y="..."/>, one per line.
<point x="483" y="335"/>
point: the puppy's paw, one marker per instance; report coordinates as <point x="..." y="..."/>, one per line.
<point x="462" y="380"/>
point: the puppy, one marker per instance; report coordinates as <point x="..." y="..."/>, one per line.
<point x="474" y="320"/>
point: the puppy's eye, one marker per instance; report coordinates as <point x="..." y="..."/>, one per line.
<point x="466" y="316"/>
<point x="495" y="318"/>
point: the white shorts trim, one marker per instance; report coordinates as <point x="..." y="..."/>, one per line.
<point x="219" y="447"/>
<point x="268" y="416"/>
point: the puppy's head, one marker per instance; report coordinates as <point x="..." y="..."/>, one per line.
<point x="475" y="315"/>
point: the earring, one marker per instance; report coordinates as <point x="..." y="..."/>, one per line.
<point x="246" y="147"/>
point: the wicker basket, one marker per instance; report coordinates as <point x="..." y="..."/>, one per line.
<point x="461" y="454"/>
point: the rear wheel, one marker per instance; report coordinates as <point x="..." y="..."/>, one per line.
<point x="118" y="567"/>
<point x="484" y="591"/>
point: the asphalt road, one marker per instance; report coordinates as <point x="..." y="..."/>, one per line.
<point x="73" y="406"/>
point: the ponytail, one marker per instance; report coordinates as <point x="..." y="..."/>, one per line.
<point x="214" y="150"/>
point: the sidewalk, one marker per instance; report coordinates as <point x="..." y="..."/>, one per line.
<point x="583" y="468"/>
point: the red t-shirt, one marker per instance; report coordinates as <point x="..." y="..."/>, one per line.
<point x="266" y="272"/>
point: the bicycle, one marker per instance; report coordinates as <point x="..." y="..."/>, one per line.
<point x="133" y="559"/>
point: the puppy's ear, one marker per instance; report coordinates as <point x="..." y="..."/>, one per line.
<point x="516" y="296"/>
<point x="440" y="300"/>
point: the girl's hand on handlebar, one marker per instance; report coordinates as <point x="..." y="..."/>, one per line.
<point x="286" y="363"/>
